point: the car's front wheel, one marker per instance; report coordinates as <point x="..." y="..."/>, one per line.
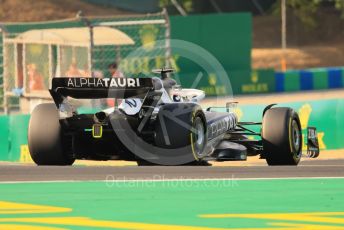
<point x="282" y="137"/>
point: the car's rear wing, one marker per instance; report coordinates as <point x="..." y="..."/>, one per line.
<point x="93" y="88"/>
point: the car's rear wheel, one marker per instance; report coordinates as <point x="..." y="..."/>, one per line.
<point x="45" y="137"/>
<point x="282" y="137"/>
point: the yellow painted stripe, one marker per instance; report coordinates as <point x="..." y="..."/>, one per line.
<point x="27" y="227"/>
<point x="19" y="208"/>
<point x="319" y="217"/>
<point x="90" y="223"/>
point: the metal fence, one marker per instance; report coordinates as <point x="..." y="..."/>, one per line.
<point x="33" y="53"/>
<point x="1" y="75"/>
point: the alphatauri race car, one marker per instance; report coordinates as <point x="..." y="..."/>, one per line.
<point x="156" y="123"/>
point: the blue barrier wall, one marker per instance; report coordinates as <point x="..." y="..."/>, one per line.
<point x="310" y="79"/>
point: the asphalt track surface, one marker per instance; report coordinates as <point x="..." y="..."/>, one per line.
<point x="307" y="169"/>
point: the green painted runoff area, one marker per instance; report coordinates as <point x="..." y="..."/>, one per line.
<point x="178" y="202"/>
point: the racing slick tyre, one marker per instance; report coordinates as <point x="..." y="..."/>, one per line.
<point x="44" y="137"/>
<point x="181" y="127"/>
<point x="282" y="137"/>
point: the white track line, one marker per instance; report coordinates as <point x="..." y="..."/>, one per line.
<point x="168" y="180"/>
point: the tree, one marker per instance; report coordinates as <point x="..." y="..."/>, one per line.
<point x="186" y="4"/>
<point x="306" y="10"/>
<point x="339" y="4"/>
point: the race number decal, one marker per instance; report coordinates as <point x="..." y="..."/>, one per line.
<point x="131" y="106"/>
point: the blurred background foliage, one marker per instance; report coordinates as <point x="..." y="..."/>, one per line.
<point x="305" y="10"/>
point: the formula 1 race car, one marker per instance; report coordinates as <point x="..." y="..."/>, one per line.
<point x="156" y="123"/>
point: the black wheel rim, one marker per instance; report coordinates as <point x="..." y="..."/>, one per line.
<point x="198" y="136"/>
<point x="296" y="138"/>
